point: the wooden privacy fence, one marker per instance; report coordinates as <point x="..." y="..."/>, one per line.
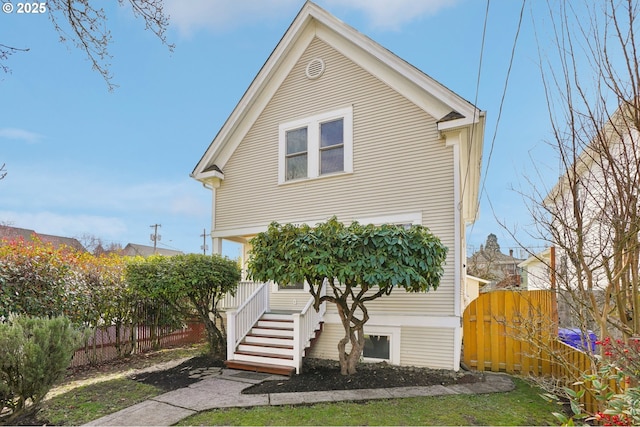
<point x="111" y="342"/>
<point x="508" y="331"/>
<point x="517" y="332"/>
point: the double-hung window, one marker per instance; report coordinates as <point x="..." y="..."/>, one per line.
<point x="297" y="154"/>
<point x="316" y="146"/>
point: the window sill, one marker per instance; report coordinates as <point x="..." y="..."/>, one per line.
<point x="316" y="178"/>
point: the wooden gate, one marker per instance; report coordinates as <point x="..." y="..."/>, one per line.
<point x="510" y="331"/>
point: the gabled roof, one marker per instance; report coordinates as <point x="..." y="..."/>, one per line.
<point x="12" y="233"/>
<point x="133" y="249"/>
<point x="450" y="110"/>
<point x="543" y="256"/>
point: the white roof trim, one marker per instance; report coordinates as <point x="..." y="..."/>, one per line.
<point x="477" y="279"/>
<point x="314" y="21"/>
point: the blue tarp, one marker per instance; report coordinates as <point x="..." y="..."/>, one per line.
<point x="575" y="338"/>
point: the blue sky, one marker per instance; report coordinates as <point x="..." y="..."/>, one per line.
<point x="83" y="160"/>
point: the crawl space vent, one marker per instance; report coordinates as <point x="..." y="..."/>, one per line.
<point x="315" y="68"/>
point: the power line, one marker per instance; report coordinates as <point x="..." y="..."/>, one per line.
<point x="475" y="100"/>
<point x="504" y="93"/>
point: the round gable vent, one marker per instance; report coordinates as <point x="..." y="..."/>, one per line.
<point x="315" y="68"/>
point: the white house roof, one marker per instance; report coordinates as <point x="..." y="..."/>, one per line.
<point x="450" y="110"/>
<point x="543" y="256"/>
<point x="478" y="279"/>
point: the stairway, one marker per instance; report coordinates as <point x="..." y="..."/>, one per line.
<point x="268" y="347"/>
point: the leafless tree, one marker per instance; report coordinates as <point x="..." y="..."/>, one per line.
<point x="592" y="84"/>
<point x="97" y="246"/>
<point x="5" y="53"/>
<point x="85" y="26"/>
<point x="3" y="171"/>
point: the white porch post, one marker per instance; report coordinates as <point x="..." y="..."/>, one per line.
<point x="231" y="334"/>
<point x="216" y="245"/>
<point x="216" y="242"/>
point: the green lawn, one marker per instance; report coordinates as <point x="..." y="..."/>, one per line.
<point x="86" y="397"/>
<point x="90" y="402"/>
<point x="522" y="406"/>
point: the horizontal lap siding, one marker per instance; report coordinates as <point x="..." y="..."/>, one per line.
<point x="432" y="303"/>
<point x="288" y="300"/>
<point x="400" y="165"/>
<point x="419" y="346"/>
<point x="326" y="347"/>
<point x="429" y="347"/>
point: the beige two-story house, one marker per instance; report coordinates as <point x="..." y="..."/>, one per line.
<point x="335" y="124"/>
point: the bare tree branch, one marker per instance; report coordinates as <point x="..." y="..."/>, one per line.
<point x="592" y="214"/>
<point x="5" y="53"/>
<point x="85" y="26"/>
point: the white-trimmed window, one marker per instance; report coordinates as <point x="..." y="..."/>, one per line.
<point x="292" y="287"/>
<point x="316" y="146"/>
<point x="377" y="347"/>
<point x="382" y="343"/>
<point x="299" y="286"/>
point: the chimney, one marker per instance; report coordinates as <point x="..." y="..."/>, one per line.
<point x="511" y="253"/>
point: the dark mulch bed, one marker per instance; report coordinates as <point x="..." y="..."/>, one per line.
<point x="324" y="375"/>
<point x="178" y="376"/>
<point x="318" y="375"/>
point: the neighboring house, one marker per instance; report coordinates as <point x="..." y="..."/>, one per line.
<point x="537" y="275"/>
<point x="473" y="288"/>
<point x="133" y="249"/>
<point x="593" y="220"/>
<point x="335" y="124"/>
<point x="536" y="272"/>
<point x="8" y="233"/>
<point x="491" y="264"/>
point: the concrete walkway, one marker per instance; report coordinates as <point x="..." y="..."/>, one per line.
<point x="222" y="389"/>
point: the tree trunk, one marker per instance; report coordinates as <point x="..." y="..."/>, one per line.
<point x="349" y="361"/>
<point x="217" y="341"/>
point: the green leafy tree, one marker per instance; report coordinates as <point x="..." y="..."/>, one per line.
<point x="191" y="284"/>
<point x="359" y="263"/>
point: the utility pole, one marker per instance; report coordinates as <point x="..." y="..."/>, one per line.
<point x="204" y="246"/>
<point x="155" y="237"/>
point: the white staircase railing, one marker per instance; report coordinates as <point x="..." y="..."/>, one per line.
<point x="241" y="320"/>
<point x="243" y="291"/>
<point x="305" y="325"/>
